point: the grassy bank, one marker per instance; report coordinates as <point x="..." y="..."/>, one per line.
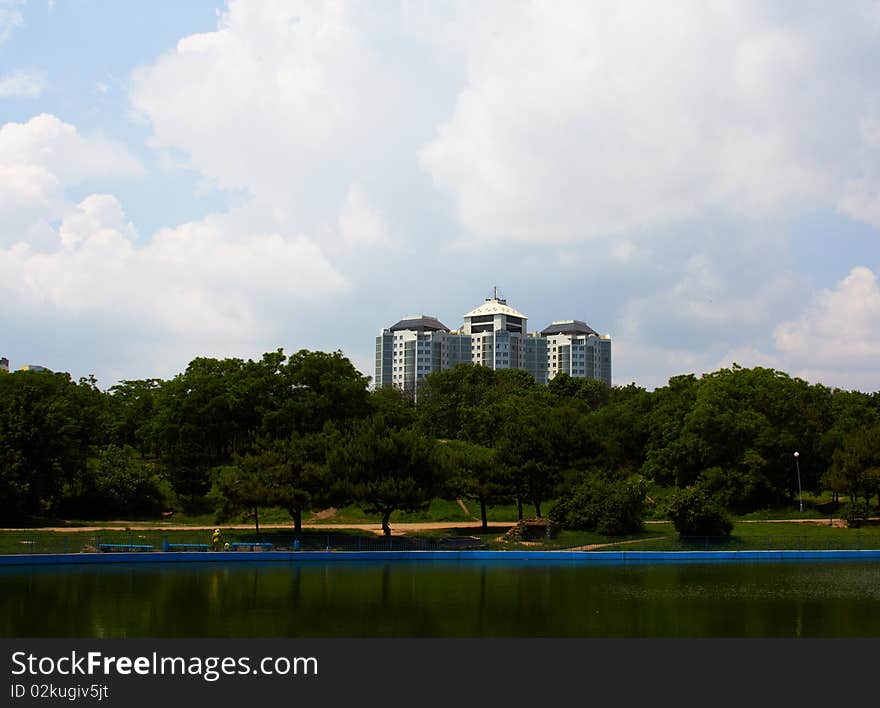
<point x="754" y="535"/>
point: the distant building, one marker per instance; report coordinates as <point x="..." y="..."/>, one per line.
<point x="577" y="350"/>
<point x="34" y="367"/>
<point x="493" y="335"/>
<point x="4" y="364"/>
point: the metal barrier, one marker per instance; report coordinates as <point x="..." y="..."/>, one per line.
<point x="162" y="541"/>
<point x="744" y="543"/>
<point x="90" y="542"/>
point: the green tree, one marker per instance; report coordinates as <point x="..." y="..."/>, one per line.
<point x="473" y="472"/>
<point x="48" y="426"/>
<point x="292" y="473"/>
<point x="856" y="464"/>
<point x="694" y="513"/>
<point x="612" y="507"/>
<point x="594" y="394"/>
<point x="132" y="406"/>
<point x="386" y="470"/>
<point x="449" y="400"/>
<point x="540" y="440"/>
<point x="737" y="428"/>
<point x="117" y="482"/>
<point x="247" y="486"/>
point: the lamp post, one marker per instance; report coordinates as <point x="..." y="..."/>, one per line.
<point x="798" y="465"/>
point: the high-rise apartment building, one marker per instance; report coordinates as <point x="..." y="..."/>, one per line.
<point x="494" y="335"/>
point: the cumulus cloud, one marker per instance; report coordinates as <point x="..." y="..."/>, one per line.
<point x="361" y="225"/>
<point x="293" y="93"/>
<point x="586" y="119"/>
<point x="584" y="135"/>
<point x="49" y="143"/>
<point x="10" y="18"/>
<point x="39" y="159"/>
<point x="204" y="280"/>
<point x="711" y="308"/>
<point x="228" y="282"/>
<point x="22" y="84"/>
<point x="837" y="338"/>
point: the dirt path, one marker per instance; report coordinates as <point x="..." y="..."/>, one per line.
<point x="464" y="508"/>
<point x="594" y="546"/>
<point x="396" y="529"/>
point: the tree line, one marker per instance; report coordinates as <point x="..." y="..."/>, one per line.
<point x="304" y="432"/>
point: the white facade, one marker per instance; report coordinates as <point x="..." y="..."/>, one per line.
<point x="494" y="335"/>
<point x="575" y="349"/>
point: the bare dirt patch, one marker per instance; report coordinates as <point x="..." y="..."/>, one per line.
<point x="324" y="514"/>
<point x="396" y="529"/>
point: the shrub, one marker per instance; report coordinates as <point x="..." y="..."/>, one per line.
<point x="117" y="482"/>
<point x="609" y="507"/>
<point x="855" y="513"/>
<point x="694" y="513"/>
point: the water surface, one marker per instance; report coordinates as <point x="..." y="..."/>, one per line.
<point x="443" y="599"/>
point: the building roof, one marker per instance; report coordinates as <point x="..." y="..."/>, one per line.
<point x="568" y="327"/>
<point x="420" y="323"/>
<point x="495" y="306"/>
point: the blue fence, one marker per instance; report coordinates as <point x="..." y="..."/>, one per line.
<point x="137" y="541"/>
<point x="146" y="541"/>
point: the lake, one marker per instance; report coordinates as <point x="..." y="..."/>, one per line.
<point x="443" y="599"/>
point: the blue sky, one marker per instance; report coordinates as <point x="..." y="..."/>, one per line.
<point x="699" y="180"/>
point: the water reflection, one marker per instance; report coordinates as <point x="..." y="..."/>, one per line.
<point x="410" y="599"/>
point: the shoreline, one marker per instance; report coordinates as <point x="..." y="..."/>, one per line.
<point x="296" y="557"/>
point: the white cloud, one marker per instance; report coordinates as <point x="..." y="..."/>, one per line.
<point x="583" y="119"/>
<point x="22" y="84"/>
<point x="285" y="100"/>
<point x="226" y="282"/>
<point x="10" y="18"/>
<point x="205" y="281"/>
<point x="861" y="200"/>
<point x="624" y="251"/>
<point x="360" y="224"/>
<point x="837" y="338"/>
<point x="47" y="142"/>
<point x="716" y="307"/>
<point x="38" y="160"/>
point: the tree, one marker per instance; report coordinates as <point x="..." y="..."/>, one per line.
<point x="473" y="472"/>
<point x="856" y="464"/>
<point x="217" y="409"/>
<point x="132" y="405"/>
<point x="315" y="388"/>
<point x="292" y="472"/>
<point x="540" y="440"/>
<point x="740" y="427"/>
<point x="202" y="421"/>
<point x="116" y="482"/>
<point x="48" y="426"/>
<point x="694" y="513"/>
<point x="448" y="400"/>
<point x="612" y="507"/>
<point x="247" y="485"/>
<point x="386" y="470"/>
<point x="593" y="393"/>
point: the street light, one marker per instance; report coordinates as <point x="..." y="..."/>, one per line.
<point x="800" y="496"/>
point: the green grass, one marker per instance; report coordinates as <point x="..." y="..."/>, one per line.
<point x="746" y="536"/>
<point x="34" y="541"/>
<point x="564" y="540"/>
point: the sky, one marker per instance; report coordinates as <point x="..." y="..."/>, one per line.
<point x="699" y="180"/>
